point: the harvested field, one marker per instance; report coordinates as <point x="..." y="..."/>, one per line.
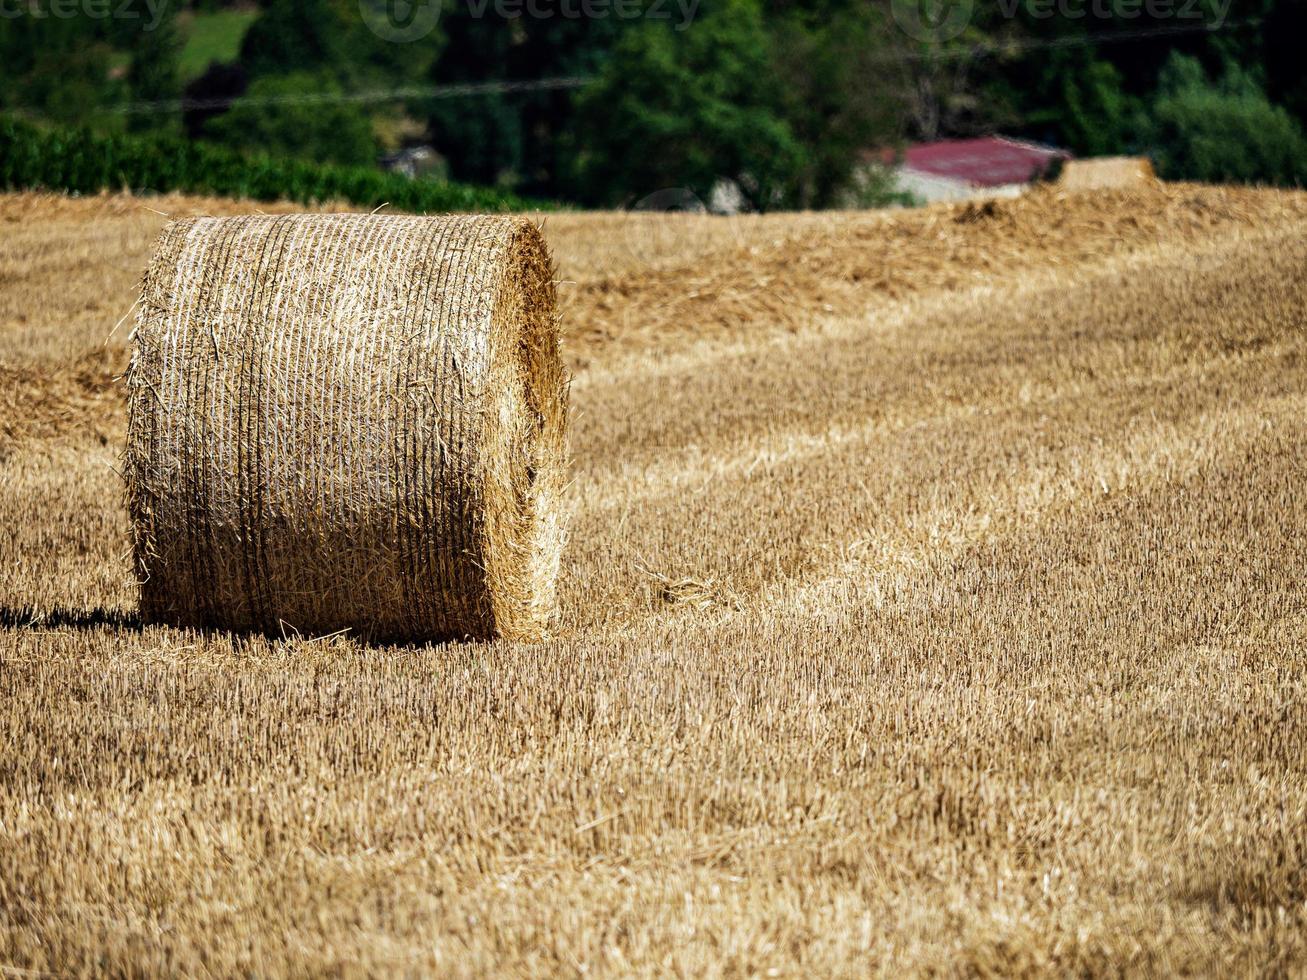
<point x="933" y="603"/>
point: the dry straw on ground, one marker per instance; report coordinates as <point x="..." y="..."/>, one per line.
<point x="933" y="606"/>
<point x="348" y="422"/>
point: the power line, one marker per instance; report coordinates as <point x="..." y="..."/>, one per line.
<point x="1019" y="46"/>
<point x="945" y="53"/>
<point x="372" y="96"/>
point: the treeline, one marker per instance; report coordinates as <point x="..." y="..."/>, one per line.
<point x="783" y="100"/>
<point x="81" y="161"/>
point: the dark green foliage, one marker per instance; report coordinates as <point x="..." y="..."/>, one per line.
<point x="284" y="116"/>
<point x="81" y="162"/>
<point x="153" y="76"/>
<point x="1082" y="82"/>
<point x="781" y="97"/>
<point x="318" y="49"/>
<point x="330" y="37"/>
<point x="685" y="109"/>
<point x="482" y="138"/>
<point x="517" y="138"/>
<point x="211" y="95"/>
<point x="1090" y="110"/>
<point x="1227" y="131"/>
<point x="837" y="96"/>
<point x="1286" y="79"/>
<point x="58" y="68"/>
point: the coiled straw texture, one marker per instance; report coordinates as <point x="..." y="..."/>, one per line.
<point x="348" y="422"/>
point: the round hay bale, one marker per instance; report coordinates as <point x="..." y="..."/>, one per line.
<point x="348" y="422"/>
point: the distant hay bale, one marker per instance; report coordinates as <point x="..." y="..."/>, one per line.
<point x="1103" y="172"/>
<point x="348" y="422"/>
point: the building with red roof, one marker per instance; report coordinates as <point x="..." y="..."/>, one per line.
<point x="956" y="169"/>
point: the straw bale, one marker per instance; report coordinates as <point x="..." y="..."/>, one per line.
<point x="1098" y="173"/>
<point x="348" y="422"/>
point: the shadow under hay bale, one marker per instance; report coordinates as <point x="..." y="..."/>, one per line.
<point x="348" y="422"/>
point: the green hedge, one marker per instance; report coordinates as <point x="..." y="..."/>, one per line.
<point x="81" y="162"/>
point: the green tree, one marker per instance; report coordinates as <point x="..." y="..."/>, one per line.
<point x="331" y="38"/>
<point x="1224" y="131"/>
<point x="335" y="47"/>
<point x="686" y="109"/>
<point x="513" y="138"/>
<point x="837" y="93"/>
<point x="59" y="69"/>
<point x="1083" y="82"/>
<point x="295" y="116"/>
<point x="153" y="74"/>
<point x="942" y="61"/>
<point x="1090" y="110"/>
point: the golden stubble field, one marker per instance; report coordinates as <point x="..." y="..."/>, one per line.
<point x="934" y="603"/>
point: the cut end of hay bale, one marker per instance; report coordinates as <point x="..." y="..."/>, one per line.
<point x="349" y="422"/>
